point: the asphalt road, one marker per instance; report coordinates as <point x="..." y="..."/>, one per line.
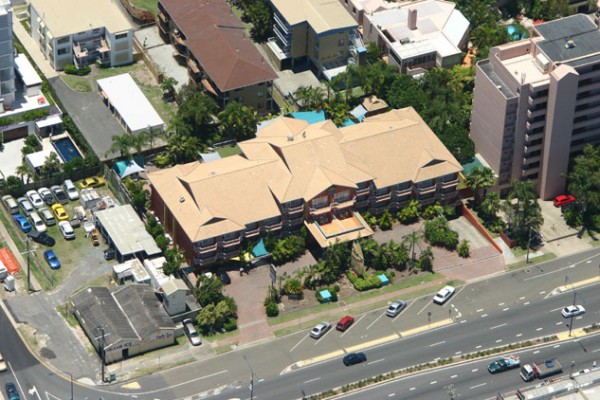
<point x="493" y="312"/>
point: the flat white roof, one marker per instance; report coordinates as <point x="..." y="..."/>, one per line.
<point x="37" y="159"/>
<point x="133" y="106"/>
<point x="26" y="71"/>
<point x="52" y="120"/>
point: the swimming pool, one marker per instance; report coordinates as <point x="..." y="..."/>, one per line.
<point x="66" y="149"/>
<point x="313" y="117"/>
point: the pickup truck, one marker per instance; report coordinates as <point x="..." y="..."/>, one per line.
<point x="504" y="364"/>
<point x="541" y="370"/>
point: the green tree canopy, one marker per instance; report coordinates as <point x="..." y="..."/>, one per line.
<point x="237" y="121"/>
<point x="522" y="211"/>
<point x="584" y="183"/>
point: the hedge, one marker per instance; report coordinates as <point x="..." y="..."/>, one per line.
<point x="364" y="283"/>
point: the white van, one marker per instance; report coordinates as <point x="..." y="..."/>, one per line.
<point x="10" y="203"/>
<point x="70" y="189"/>
<point x="47" y="216"/>
<point x="37" y="222"/>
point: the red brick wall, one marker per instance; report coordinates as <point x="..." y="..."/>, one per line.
<point x="480" y="228"/>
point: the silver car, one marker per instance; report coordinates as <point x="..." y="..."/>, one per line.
<point x="67" y="230"/>
<point x="191" y="332"/>
<point x="395" y="308"/>
<point x="320" y="329"/>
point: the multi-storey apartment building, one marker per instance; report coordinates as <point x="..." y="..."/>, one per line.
<point x="537" y="103"/>
<point x="210" y="40"/>
<point x="295" y="174"/>
<point x="7" y="62"/>
<point x="73" y="32"/>
<point x="414" y="35"/>
<point x="315" y="34"/>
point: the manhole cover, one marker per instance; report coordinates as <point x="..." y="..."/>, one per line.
<point x="527" y="270"/>
<point x="342" y="303"/>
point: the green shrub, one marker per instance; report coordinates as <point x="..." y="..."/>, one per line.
<point x="73" y="70"/>
<point x="463" y="249"/>
<point x="386" y="220"/>
<point x="272" y="310"/>
<point x="370" y="219"/>
<point x="230" y="324"/>
<point x="332" y="292"/>
<point x="287" y="249"/>
<point x="363" y="283"/>
<point x="438" y="233"/>
<point x="409" y="214"/>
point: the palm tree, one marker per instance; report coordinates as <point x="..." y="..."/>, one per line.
<point x="23" y="171"/>
<point x="480" y="179"/>
<point x="412" y="240"/>
<point x="51" y="164"/>
<point x="490" y="206"/>
<point x="522" y="210"/>
<point x="182" y="148"/>
<point x="153" y="133"/>
<point x="238" y="121"/>
<point x="310" y="97"/>
<point x="122" y="144"/>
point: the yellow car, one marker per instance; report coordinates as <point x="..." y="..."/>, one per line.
<point x="60" y="212"/>
<point x="92" y="182"/>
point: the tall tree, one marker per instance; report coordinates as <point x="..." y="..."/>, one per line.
<point x="237" y="121"/>
<point x="584" y="183"/>
<point x="412" y="241"/>
<point x="310" y="97"/>
<point x="182" y="148"/>
<point x="24" y="172"/>
<point x="122" y="144"/>
<point x="51" y="164"/>
<point x="480" y="179"/>
<point x="523" y="211"/>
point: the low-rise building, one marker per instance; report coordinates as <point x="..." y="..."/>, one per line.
<point x="210" y="40"/>
<point x="296" y="174"/>
<point x="73" y="32"/>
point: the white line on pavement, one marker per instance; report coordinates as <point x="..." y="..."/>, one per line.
<point x="475" y="370"/>
<point x="375" y="320"/>
<point x="376" y="361"/>
<point x="353" y="325"/>
<point x="312" y="380"/>
<point x="432" y="382"/>
<point x="453" y="376"/>
<point x="477" y="386"/>
<point x="436" y="344"/>
<point x="480" y="310"/>
<point x="498" y="326"/>
<point x="298" y="344"/>
<point x="483" y="315"/>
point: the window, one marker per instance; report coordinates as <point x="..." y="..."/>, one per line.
<point x="63" y="40"/>
<point x="354" y="10"/>
<point x="260" y="93"/>
<point x="339" y="54"/>
<point x="62" y="51"/>
<point x="121" y="36"/>
<point x="319" y="202"/>
<point x="341" y="197"/>
<point x="341" y="42"/>
<point x="425" y="184"/>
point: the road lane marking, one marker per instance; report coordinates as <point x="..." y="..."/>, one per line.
<point x="375" y="362"/>
<point x="500" y="305"/>
<point x="483" y="315"/>
<point x="375" y="320"/>
<point x="436" y="344"/>
<point x="518" y="335"/>
<point x="506" y="309"/>
<point x="498" y="341"/>
<point x="557" y="346"/>
<point x="539" y="329"/>
<point x="526" y="303"/>
<point x="391" y="394"/>
<point x="475" y="370"/>
<point x="556" y="309"/>
<point x="543" y="292"/>
<point x="559" y="323"/>
<point x="480" y="310"/>
<point x="458" y="353"/>
<point x="412" y="388"/>
<point x="477" y="386"/>
<point x="298" y="344"/>
<point x="595" y="351"/>
<point x="312" y="380"/>
<point x="478" y="347"/>
<point x="522" y="298"/>
<point x="552" y="272"/>
<point x="424" y="307"/>
<point x="498" y="326"/>
<point x="432" y="382"/>
<point x="453" y="376"/>
<point x="536" y="352"/>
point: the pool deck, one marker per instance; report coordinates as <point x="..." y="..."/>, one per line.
<point x="47" y="143"/>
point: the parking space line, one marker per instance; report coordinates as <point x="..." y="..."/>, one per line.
<point x="298" y="344"/>
<point x="375" y="320"/>
<point x="353" y="325"/>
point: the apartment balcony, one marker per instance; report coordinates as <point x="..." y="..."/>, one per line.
<point x="274" y="227"/>
<point x="205" y="249"/>
<point x="163" y="17"/>
<point x="289" y="223"/>
<point x="252" y="232"/>
<point x="531" y="114"/>
<point x="79" y="51"/>
<point x="227" y="243"/>
<point x="163" y="28"/>
<point x="361" y="203"/>
<point x="319" y="211"/>
<point x="283" y="38"/>
<point x="362" y="192"/>
<point x="357" y="42"/>
<point x="531" y="148"/>
<point x="344" y="204"/>
<point x="447" y="184"/>
<point x="103" y="47"/>
<point x="280" y="53"/>
<point x="421" y="191"/>
<point x="530" y="137"/>
<point x="281" y="25"/>
<point x="294" y="210"/>
<point x="532" y="125"/>
<point x="403" y="192"/>
<point x="426" y="201"/>
<point x="202" y="261"/>
<point x="532" y="159"/>
<point x="225" y="255"/>
<point x="382" y="197"/>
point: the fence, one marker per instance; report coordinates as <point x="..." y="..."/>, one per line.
<point x="115" y="183"/>
<point x="55" y="180"/>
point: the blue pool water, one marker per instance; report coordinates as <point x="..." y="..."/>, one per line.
<point x="66" y="149"/>
<point x="512" y="32"/>
<point x="310" y="116"/>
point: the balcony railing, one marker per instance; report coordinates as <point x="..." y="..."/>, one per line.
<point x="403" y="192"/>
<point x="383" y="197"/>
<point x="206" y="248"/>
<point x="162" y="16"/>
<point x="231" y="242"/>
<point x="294" y="209"/>
<point x="274" y="227"/>
<point x="252" y="232"/>
<point x="362" y="192"/>
<point x="426" y="189"/>
<point x="447" y="184"/>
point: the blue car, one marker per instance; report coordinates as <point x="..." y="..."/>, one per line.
<point x="22" y="222"/>
<point x="51" y="259"/>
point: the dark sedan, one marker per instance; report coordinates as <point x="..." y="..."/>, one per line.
<point x="354" y="358"/>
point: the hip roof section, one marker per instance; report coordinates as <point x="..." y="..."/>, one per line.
<point x="216" y="38"/>
<point x="321" y="15"/>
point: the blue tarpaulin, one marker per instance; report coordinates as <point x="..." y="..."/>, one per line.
<point x="384" y="279"/>
<point x="259" y="250"/>
<point x="325" y="295"/>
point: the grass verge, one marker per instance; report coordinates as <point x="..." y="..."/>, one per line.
<point x="536" y="260"/>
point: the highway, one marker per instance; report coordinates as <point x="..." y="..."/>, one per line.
<point x="511" y="307"/>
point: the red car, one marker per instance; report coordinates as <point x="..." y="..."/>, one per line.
<point x="563" y="200"/>
<point x="344" y="323"/>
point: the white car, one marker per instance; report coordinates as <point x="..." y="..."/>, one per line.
<point x="320" y="330"/>
<point x="35" y="198"/>
<point x="25" y="206"/>
<point x="66" y="229"/>
<point x="443" y="295"/>
<point x="2" y="364"/>
<point x="572" y="311"/>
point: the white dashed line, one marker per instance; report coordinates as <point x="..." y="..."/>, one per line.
<point x="412" y="388"/>
<point x="557" y="346"/>
<point x="483" y="315"/>
<point x="506" y="309"/>
<point x="476" y="386"/>
<point x="500" y="305"/>
<point x="522" y="298"/>
<point x="458" y="353"/>
<point x="543" y="292"/>
<point x="498" y="326"/>
<point x="375" y="362"/>
<point x="536" y="352"/>
<point x="312" y="380"/>
<point x="480" y="310"/>
<point x="478" y="347"/>
<point x="391" y="394"/>
<point x="475" y="370"/>
<point x="518" y="335"/>
<point x="539" y="329"/>
<point x="453" y="376"/>
<point x="437" y="344"/>
<point x="432" y="382"/>
<point x="526" y="303"/>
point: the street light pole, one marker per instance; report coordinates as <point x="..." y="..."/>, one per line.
<point x="251" y="378"/>
<point x="28" y="252"/>
<point x="71" y="375"/>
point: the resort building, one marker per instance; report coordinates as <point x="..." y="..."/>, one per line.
<point x="414" y="35"/>
<point x="211" y="41"/>
<point x="296" y="174"/>
<point x="72" y="32"/>
<point x="7" y="66"/>
<point x="314" y="34"/>
<point x="537" y="103"/>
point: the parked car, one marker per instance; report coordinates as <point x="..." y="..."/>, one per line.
<point x="35" y="198"/>
<point x="191" y="332"/>
<point x="51" y="259"/>
<point x="71" y="190"/>
<point x="95" y="237"/>
<point x="344" y="323"/>
<point x="47" y="216"/>
<point x="443" y="295"/>
<point x="395" y="308"/>
<point x="354" y="358"/>
<point x="10" y="204"/>
<point x="572" y="311"/>
<point x="25" y="206"/>
<point x="110" y="254"/>
<point x="3" y="366"/>
<point x="319" y="330"/>
<point x="60" y="213"/>
<point x="47" y="195"/>
<point x="42" y="238"/>
<point x="66" y="229"/>
<point x="563" y="200"/>
<point x="12" y="392"/>
<point x="22" y="223"/>
<point x="60" y="195"/>
<point x="37" y="222"/>
<point x="92" y="182"/>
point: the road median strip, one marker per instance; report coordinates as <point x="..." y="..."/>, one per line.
<point x="427" y="327"/>
<point x="324" y="357"/>
<point x="578" y="284"/>
<point x="372" y="343"/>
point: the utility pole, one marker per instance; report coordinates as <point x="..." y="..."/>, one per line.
<point x="251" y="378"/>
<point x="28" y="253"/>
<point x="71" y="375"/>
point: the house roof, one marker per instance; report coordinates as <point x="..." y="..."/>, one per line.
<point x="217" y="39"/>
<point x="66" y="17"/>
<point x="321" y="15"/>
<point x="290" y="160"/>
<point x="132" y="312"/>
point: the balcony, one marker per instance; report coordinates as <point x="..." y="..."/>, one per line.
<point x="320" y="211"/>
<point x="273" y="227"/>
<point x="403" y="192"/>
<point x="344" y="204"/>
<point x="447" y="184"/>
<point x="225" y="243"/>
<point x="79" y="51"/>
<point x="206" y="248"/>
<point x="531" y="148"/>
<point x="531" y="114"/>
<point x="163" y="17"/>
<point x="252" y="232"/>
<point x="280" y="53"/>
<point x="363" y="192"/>
<point x="383" y="197"/>
<point x="425" y="190"/>
<point x="201" y="261"/>
<point x="281" y="25"/>
<point x="294" y="209"/>
<point x="288" y="223"/>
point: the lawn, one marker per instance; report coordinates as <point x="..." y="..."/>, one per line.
<point x="227" y="151"/>
<point x="77" y="83"/>
<point x="150" y="5"/>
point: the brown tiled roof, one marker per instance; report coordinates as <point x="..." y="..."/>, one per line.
<point x="215" y="36"/>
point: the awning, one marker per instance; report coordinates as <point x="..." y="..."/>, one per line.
<point x="260" y="250"/>
<point x="126" y="168"/>
<point x="358" y="112"/>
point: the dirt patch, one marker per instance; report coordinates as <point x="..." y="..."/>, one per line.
<point x="143" y="76"/>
